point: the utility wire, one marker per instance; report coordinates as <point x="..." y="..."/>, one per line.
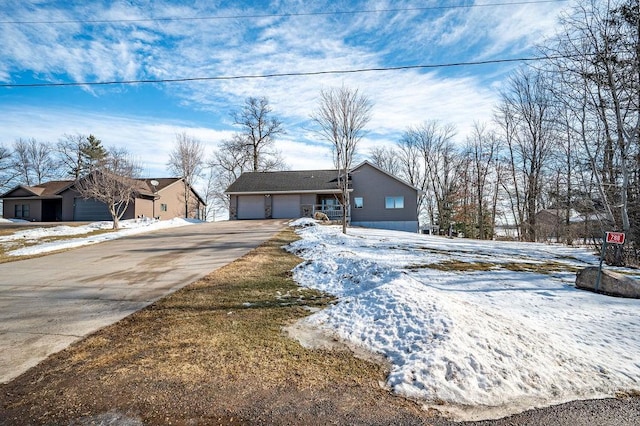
<point x="276" y="15"/>
<point x="286" y="74"/>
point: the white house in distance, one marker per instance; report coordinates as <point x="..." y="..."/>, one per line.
<point x="377" y="198"/>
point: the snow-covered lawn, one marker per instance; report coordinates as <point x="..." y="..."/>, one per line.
<point x="34" y="237"/>
<point x="511" y="335"/>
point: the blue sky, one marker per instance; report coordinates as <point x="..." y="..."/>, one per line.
<point x="53" y="41"/>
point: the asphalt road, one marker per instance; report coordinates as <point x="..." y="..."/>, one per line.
<point x="49" y="302"/>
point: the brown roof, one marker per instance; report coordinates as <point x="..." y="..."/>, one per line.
<point x="55" y="187"/>
<point x="52" y="188"/>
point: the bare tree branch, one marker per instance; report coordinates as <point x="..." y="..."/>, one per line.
<point x="341" y="118"/>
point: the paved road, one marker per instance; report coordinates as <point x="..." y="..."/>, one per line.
<point x="49" y="302"/>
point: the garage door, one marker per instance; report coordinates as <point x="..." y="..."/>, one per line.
<point x="251" y="207"/>
<point x="90" y="210"/>
<point x="286" y="206"/>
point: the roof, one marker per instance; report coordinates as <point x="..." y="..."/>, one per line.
<point x="43" y="190"/>
<point x="53" y="189"/>
<point x="162" y="184"/>
<point x="296" y="181"/>
<point x="286" y="182"/>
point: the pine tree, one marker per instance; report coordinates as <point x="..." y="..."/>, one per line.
<point x="92" y="153"/>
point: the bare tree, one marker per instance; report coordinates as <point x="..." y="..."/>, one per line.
<point x="525" y="117"/>
<point x="69" y="150"/>
<point x="7" y="172"/>
<point x="226" y="165"/>
<point x="430" y="161"/>
<point x="112" y="182"/>
<point x="186" y="161"/>
<point x="34" y="161"/>
<point x="79" y="154"/>
<point x="412" y="171"/>
<point x="482" y="151"/>
<point x="341" y="118"/>
<point x="258" y="132"/>
<point x="597" y="57"/>
<point x="386" y="158"/>
<point x="22" y="162"/>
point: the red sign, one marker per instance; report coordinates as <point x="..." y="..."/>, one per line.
<point x="615" y="237"/>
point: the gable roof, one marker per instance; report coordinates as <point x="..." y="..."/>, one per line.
<point x="54" y="189"/>
<point x="368" y="163"/>
<point x="44" y="190"/>
<point x="164" y="183"/>
<point x="311" y="181"/>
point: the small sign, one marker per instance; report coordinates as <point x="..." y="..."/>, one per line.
<point x="615" y="237"/>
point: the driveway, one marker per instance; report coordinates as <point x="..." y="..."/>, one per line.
<point x="49" y="302"/>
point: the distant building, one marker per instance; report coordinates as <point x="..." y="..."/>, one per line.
<point x="60" y="201"/>
<point x="551" y="225"/>
<point x="377" y="198"/>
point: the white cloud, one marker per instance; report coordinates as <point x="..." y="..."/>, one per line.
<point x="148" y="140"/>
<point x="218" y="47"/>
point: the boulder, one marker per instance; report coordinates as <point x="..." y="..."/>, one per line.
<point x="321" y="216"/>
<point x="611" y="283"/>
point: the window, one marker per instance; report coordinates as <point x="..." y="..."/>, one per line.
<point x="21" y="210"/>
<point x="358" y="202"/>
<point x="394" y="202"/>
<point x="163" y="207"/>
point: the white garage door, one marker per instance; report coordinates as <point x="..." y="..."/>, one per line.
<point x="251" y="207"/>
<point x="286" y="206"/>
<point x="90" y="210"/>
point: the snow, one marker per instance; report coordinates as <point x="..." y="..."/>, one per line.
<point x="3" y="220"/>
<point x="127" y="227"/>
<point x="473" y="344"/>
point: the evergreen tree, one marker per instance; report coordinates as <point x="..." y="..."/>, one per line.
<point x="92" y="154"/>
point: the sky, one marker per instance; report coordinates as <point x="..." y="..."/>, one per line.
<point x="116" y="41"/>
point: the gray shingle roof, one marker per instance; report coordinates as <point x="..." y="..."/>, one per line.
<point x="288" y="181"/>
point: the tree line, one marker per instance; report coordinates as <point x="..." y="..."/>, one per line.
<point x="564" y="137"/>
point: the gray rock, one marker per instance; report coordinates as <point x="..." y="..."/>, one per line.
<point x="611" y="283"/>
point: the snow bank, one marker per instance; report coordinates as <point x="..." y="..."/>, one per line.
<point x="127" y="227"/>
<point x="303" y="222"/>
<point x="474" y="344"/>
<point x="3" y="220"/>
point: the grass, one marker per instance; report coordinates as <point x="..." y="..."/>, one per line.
<point x="212" y="353"/>
<point x="547" y="267"/>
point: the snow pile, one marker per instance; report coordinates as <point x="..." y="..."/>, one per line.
<point x="3" y="220"/>
<point x="303" y="222"/>
<point x="127" y="228"/>
<point x="477" y="344"/>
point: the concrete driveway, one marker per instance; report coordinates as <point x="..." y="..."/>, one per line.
<point x="49" y="302"/>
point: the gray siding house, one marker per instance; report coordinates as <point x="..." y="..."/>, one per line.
<point x="377" y="198"/>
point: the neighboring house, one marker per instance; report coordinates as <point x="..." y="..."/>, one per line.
<point x="378" y="199"/>
<point x="60" y="201"/>
<point x="551" y="224"/>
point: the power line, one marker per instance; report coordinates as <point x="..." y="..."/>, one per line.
<point x="276" y="15"/>
<point x="285" y="74"/>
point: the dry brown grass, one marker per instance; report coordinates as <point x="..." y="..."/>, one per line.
<point x="547" y="267"/>
<point x="211" y="353"/>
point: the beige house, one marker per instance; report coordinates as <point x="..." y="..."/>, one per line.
<point x="53" y="201"/>
<point x="377" y="198"/>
